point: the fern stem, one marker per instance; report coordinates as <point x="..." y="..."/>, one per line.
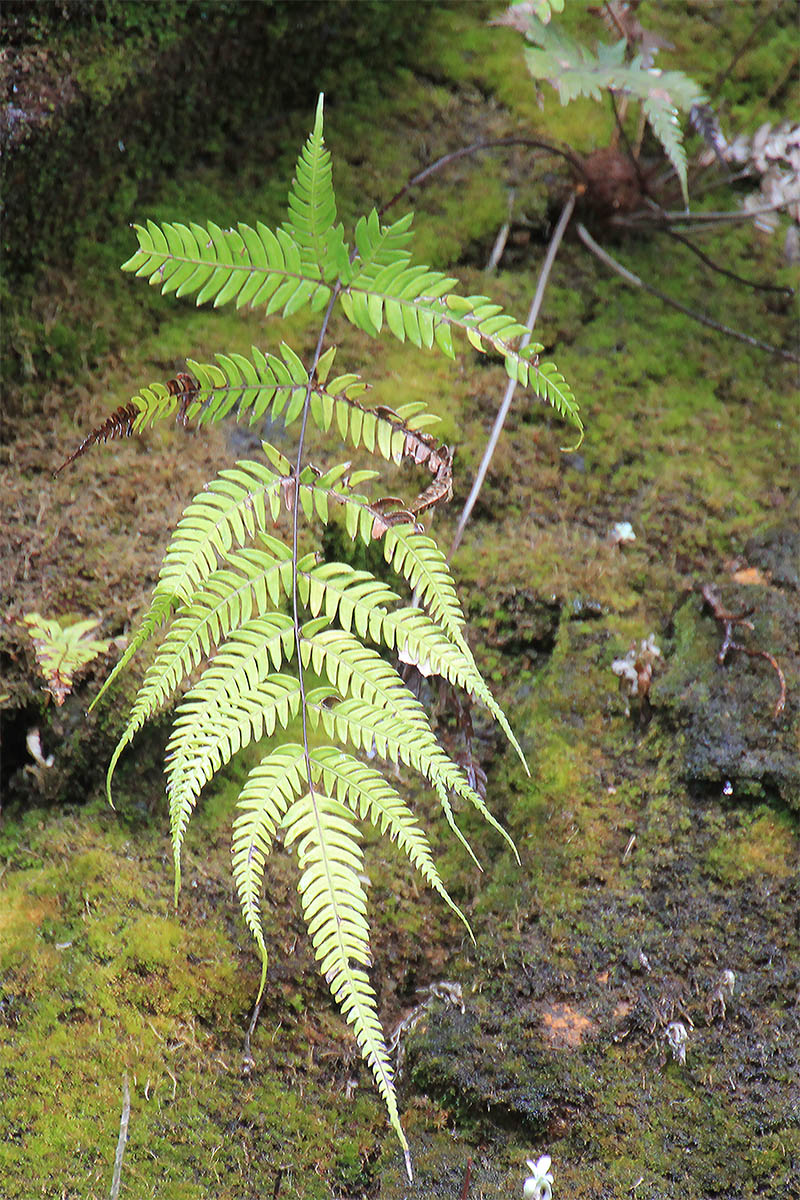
<point x="295" y="523"/>
<point x="544" y="276"/>
<point x="701" y="318"/>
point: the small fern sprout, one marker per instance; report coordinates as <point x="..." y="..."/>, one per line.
<point x="288" y="653"/>
<point x="62" y="650"/>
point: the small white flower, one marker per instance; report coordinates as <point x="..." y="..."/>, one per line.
<point x="539" y="1185"/>
<point x="677" y="1038"/>
<point x="621" y="532"/>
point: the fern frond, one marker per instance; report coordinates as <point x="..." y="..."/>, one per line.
<point x="62" y="650"/>
<point x="237" y="700"/>
<point x="421" y="305"/>
<point x="421" y="642"/>
<point x="225" y="582"/>
<point x="228" y="601"/>
<point x="312" y="209"/>
<point x="335" y="909"/>
<point x="381" y="246"/>
<point x="575" y="71"/>
<point x="356" y="597"/>
<point x="376" y="730"/>
<point x="251" y="266"/>
<point x="370" y="796"/>
<point x="229" y="511"/>
<point x="121" y="423"/>
<point x="356" y="670"/>
<point x="662" y="113"/>
<point x="263" y="802"/>
<point x="419" y="560"/>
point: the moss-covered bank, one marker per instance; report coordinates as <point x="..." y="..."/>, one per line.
<point x="643" y="880"/>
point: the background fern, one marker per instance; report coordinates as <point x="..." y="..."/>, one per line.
<point x="574" y="70"/>
<point x="278" y="636"/>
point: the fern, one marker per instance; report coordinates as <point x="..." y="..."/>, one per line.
<point x="573" y="70"/>
<point x="62" y="650"/>
<point x="264" y="637"/>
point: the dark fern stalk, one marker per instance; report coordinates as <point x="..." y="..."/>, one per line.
<point x="225" y="581"/>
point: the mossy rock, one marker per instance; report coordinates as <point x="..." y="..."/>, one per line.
<point x="729" y="733"/>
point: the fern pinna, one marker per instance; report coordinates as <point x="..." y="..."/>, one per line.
<point x="285" y="638"/>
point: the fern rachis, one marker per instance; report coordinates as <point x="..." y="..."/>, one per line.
<point x="280" y="637"/>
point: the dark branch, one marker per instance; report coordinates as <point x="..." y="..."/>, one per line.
<point x="729" y="621"/>
<point x="573" y="159"/>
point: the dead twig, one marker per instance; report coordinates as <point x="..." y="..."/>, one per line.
<point x="544" y="276"/>
<point x="123" y="1137"/>
<point x="782" y="290"/>
<point x="564" y="152"/>
<point x="729" y="621"/>
<point x="635" y="281"/>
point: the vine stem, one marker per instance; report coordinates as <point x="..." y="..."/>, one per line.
<point x="295" y="523"/>
<point x="635" y="281"/>
<point x="544" y="276"/>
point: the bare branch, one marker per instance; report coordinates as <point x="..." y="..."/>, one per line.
<point x="635" y="281"/>
<point x="544" y="276"/>
<point x="123" y="1137"/>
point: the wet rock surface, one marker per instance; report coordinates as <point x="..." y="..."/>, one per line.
<point x="728" y="734"/>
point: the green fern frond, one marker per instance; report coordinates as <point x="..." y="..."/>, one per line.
<point x="419" y="560"/>
<point x="421" y="305"/>
<point x="263" y="802"/>
<point x="229" y="511"/>
<point x="62" y="650"/>
<point x="213" y="723"/>
<point x="226" y="584"/>
<point x="371" y="797"/>
<point x="662" y="113"/>
<point x="421" y="643"/>
<point x="228" y="602"/>
<point x="376" y="730"/>
<point x="335" y="908"/>
<point x="381" y="246"/>
<point x="356" y="670"/>
<point x="266" y="385"/>
<point x="575" y="71"/>
<point x="312" y="209"/>
<point x="251" y="266"/>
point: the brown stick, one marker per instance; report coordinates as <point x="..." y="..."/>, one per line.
<point x="728" y="621"/>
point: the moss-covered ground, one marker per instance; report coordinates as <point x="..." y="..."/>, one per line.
<point x="644" y="878"/>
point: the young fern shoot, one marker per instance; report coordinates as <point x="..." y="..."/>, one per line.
<point x="281" y="636"/>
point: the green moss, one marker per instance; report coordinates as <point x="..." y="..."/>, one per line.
<point x="760" y="846"/>
<point x="688" y="437"/>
